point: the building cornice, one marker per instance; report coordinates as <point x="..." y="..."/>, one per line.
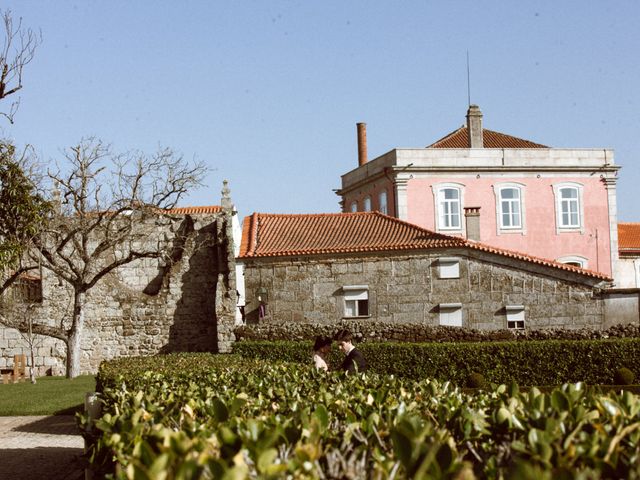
<point x="393" y="171"/>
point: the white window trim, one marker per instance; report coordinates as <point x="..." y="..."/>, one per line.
<point x="366" y="204"/>
<point x="363" y="291"/>
<point x="557" y="201"/>
<point x="515" y="309"/>
<point x="583" y="261"/>
<point x="354" y="207"/>
<point x="436" y="192"/>
<point x="497" y="189"/>
<point x="450" y="306"/>
<point x="448" y="261"/>
<point x="381" y="195"/>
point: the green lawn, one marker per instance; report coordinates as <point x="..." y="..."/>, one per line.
<point x="49" y="396"/>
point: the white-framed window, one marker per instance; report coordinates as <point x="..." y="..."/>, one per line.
<point x="575" y="260"/>
<point x="448" y="202"/>
<point x="515" y="317"/>
<point x="382" y="202"/>
<point x="367" y="204"/>
<point x="356" y="300"/>
<point x="450" y="314"/>
<point x="509" y="207"/>
<point x="569" y="209"/>
<point x="354" y="207"/>
<point x="448" y="267"/>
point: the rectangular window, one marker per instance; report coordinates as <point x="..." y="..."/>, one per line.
<point x="515" y="317"/>
<point x="27" y="289"/>
<point x="448" y="267"/>
<point x="382" y="201"/>
<point x="367" y="204"/>
<point x="510" y="208"/>
<point x="449" y="208"/>
<point x="356" y="301"/>
<point x="569" y="207"/>
<point x="450" y="314"/>
<point x="354" y="207"/>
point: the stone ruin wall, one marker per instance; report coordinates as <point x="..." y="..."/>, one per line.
<point x="406" y="289"/>
<point x="145" y="307"/>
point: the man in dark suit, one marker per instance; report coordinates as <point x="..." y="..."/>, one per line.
<point x="353" y="361"/>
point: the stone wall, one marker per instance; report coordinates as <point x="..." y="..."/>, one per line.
<point x="145" y="307"/>
<point x="407" y="289"/>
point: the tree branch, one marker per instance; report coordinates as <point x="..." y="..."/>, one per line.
<point x="39" y="329"/>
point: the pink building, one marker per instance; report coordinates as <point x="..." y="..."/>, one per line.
<point x="554" y="203"/>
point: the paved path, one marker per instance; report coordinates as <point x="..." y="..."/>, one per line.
<point x="40" y="448"/>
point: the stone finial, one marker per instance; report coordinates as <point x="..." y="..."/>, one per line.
<point x="474" y="125"/>
<point x="226" y="196"/>
<point x="56" y="200"/>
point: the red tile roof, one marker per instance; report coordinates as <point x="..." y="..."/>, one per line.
<point x="195" y="210"/>
<point x="275" y="235"/>
<point x="629" y="237"/>
<point x="490" y="139"/>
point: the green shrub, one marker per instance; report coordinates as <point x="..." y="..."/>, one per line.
<point x="194" y="416"/>
<point x="476" y="380"/>
<point x="624" y="376"/>
<point x="547" y="362"/>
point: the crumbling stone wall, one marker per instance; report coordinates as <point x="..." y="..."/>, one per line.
<point x="182" y="303"/>
<point x="407" y="289"/>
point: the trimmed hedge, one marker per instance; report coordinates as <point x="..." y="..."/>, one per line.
<point x="547" y="362"/>
<point x="192" y="416"/>
<point x="376" y="331"/>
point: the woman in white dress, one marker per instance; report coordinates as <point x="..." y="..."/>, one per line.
<point x="321" y="349"/>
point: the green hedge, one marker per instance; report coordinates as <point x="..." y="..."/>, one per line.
<point x="546" y="362"/>
<point x="193" y="416"/>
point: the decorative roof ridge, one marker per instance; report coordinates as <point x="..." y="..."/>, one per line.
<point x="628" y="223"/>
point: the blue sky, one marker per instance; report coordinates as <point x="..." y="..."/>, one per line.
<point x="268" y="92"/>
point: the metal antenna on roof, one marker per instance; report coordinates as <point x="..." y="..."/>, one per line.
<point x="468" y="82"/>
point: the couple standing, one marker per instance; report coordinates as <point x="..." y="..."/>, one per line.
<point x="353" y="360"/>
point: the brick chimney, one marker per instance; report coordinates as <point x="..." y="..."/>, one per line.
<point x="474" y="124"/>
<point x="472" y="221"/>
<point x="362" y="143"/>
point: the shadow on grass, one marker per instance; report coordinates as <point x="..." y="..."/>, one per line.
<point x="52" y="463"/>
<point x="71" y="410"/>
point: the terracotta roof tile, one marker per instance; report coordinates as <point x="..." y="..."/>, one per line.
<point x="275" y="235"/>
<point x="195" y="210"/>
<point x="629" y="237"/>
<point x="460" y="139"/>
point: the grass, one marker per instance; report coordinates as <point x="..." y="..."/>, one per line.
<point x="49" y="396"/>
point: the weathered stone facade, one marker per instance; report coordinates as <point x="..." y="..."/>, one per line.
<point x="407" y="288"/>
<point x="148" y="306"/>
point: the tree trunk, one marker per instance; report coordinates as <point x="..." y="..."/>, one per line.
<point x="75" y="336"/>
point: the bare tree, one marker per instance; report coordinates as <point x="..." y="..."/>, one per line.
<point x="109" y="207"/>
<point x="18" y="50"/>
<point x="32" y="340"/>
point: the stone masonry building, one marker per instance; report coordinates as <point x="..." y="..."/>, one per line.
<point x="183" y="303"/>
<point x="329" y="267"/>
